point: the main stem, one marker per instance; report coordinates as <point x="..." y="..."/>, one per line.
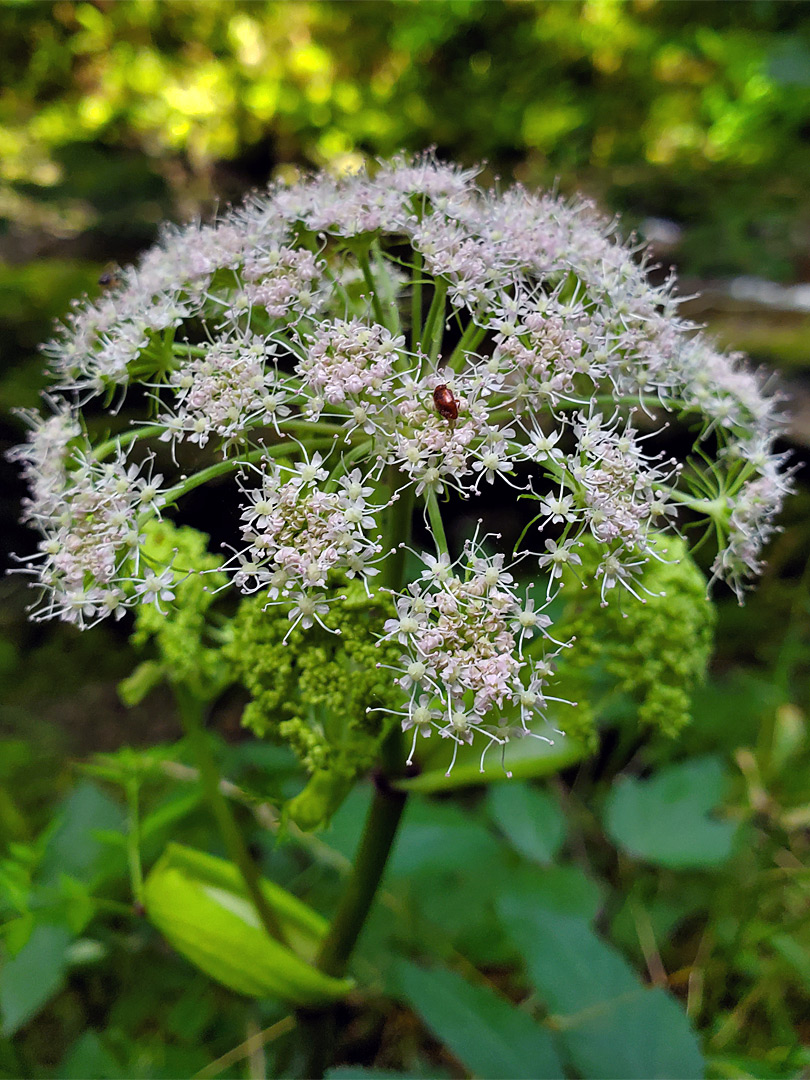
<point x="375" y="846"/>
<point x="318" y="1027"/>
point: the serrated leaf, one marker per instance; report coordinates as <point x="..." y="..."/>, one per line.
<point x="609" y="1023"/>
<point x="665" y="819"/>
<point x="491" y="1037"/>
<point x="529" y="818"/>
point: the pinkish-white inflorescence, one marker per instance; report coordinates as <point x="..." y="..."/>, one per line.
<point x="294" y="347"/>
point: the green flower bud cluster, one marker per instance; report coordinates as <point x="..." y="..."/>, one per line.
<point x="655" y="650"/>
<point x="323" y="693"/>
<point x="188" y="643"/>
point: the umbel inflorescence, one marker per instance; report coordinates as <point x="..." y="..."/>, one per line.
<point x="351" y="352"/>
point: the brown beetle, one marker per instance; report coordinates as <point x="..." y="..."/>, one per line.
<point x="446" y="404"/>
<point x="109" y="279"/>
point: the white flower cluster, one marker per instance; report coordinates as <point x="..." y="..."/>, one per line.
<point x="349" y="362"/>
<point x="463" y="628"/>
<point x="296" y="533"/>
<point x="231" y="384"/>
<point x="88" y="558"/>
<point x="434" y="337"/>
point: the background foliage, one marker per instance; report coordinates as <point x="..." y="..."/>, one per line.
<point x="652" y="865"/>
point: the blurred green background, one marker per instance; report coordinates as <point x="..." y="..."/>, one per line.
<point x="692" y="120"/>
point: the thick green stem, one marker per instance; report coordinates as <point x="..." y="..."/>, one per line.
<point x="317" y="1027"/>
<point x="372" y="855"/>
<point x="192" y="712"/>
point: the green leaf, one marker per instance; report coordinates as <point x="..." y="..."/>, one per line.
<point x="358" y="1072"/>
<point x="29" y="979"/>
<point x="128" y="764"/>
<point x="89" y="1059"/>
<point x="438" y="837"/>
<point x="75" y="847"/>
<point x="76" y="903"/>
<point x="173" y="810"/>
<point x="112" y="838"/>
<point x="609" y="1023"/>
<point x="489" y="1036"/>
<point x="200" y="905"/>
<point x="432" y="905"/>
<point x="665" y="819"/>
<point x="135" y="687"/>
<point x="565" y="889"/>
<point x="529" y="818"/>
<point x="525" y="758"/>
<point x="16" y="932"/>
<point x="740" y="1067"/>
<point x="12" y="820"/>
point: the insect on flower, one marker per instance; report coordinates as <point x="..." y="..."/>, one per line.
<point x="109" y="279"/>
<point x="446" y="404"/>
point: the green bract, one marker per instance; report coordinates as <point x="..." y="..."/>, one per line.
<point x="198" y="902"/>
